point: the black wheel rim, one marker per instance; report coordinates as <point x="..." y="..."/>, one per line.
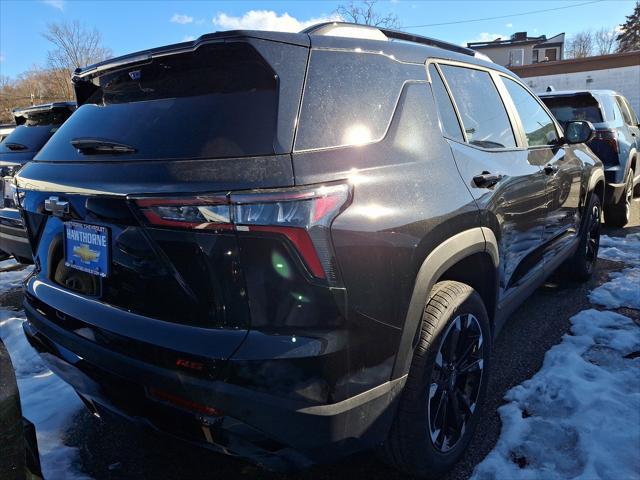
<point x="455" y="382"/>
<point x="593" y="236"/>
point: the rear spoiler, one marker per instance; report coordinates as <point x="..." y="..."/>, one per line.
<point x="22" y="114"/>
<point x="81" y="78"/>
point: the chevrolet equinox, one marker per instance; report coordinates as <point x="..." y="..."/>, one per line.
<point x="291" y="247"/>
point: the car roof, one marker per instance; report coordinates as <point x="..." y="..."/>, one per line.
<point x="402" y="46"/>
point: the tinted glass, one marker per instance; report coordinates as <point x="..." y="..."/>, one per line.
<point x="538" y="125"/>
<point x="217" y="101"/>
<point x="349" y="98"/>
<point x="483" y="114"/>
<point x="632" y="113"/>
<point x="574" y="107"/>
<point x="31" y="138"/>
<point x="625" y="112"/>
<point x="448" y="118"/>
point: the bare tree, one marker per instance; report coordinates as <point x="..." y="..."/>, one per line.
<point x="364" y="12"/>
<point x="73" y="47"/>
<point x="580" y="45"/>
<point x="605" y="40"/>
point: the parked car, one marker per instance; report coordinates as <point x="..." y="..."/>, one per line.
<point x="5" y="130"/>
<point x="292" y="247"/>
<point x="19" y="459"/>
<point x="34" y="126"/>
<point x="616" y="142"/>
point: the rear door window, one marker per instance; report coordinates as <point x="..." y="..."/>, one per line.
<point x="481" y="109"/>
<point x="448" y="117"/>
<point x="626" y="114"/>
<point x="220" y="100"/>
<point x="536" y="122"/>
<point x="632" y="113"/>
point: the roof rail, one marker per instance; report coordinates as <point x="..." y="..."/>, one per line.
<point x="325" y="28"/>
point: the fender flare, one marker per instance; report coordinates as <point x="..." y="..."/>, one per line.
<point x="441" y="258"/>
<point x="596" y="175"/>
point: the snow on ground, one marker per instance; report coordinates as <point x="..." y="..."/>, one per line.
<point x="46" y="400"/>
<point x="579" y="416"/>
<point x="12" y="278"/>
<point x="624" y="288"/>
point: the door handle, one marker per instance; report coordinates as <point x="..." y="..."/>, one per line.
<point x="550" y="169"/>
<point x="486" y="179"/>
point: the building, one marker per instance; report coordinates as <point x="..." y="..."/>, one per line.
<point x="521" y="49"/>
<point x="619" y="72"/>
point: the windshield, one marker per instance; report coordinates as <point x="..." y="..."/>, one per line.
<point x="217" y="101"/>
<point x="574" y="107"/>
<point x="27" y="139"/>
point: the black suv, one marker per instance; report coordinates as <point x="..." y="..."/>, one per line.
<point x="296" y="246"/>
<point x="34" y="127"/>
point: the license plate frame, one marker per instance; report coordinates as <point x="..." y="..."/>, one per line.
<point x="87" y="248"/>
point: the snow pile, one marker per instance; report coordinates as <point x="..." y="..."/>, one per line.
<point x="624" y="288"/>
<point x="10" y="279"/>
<point x="579" y="416"/>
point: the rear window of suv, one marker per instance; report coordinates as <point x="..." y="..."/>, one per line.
<point x="567" y="108"/>
<point x="220" y="100"/>
<point x="33" y="130"/>
<point x="27" y="139"/>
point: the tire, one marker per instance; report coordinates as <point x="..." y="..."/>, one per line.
<point x="414" y="445"/>
<point x="618" y="214"/>
<point x="581" y="265"/>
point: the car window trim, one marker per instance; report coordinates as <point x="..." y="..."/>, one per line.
<point x="515" y="127"/>
<point x="455" y="107"/>
<point x="559" y="131"/>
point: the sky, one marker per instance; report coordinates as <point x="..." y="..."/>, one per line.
<point x="128" y="26"/>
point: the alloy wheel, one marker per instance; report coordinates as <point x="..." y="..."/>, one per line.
<point x="455" y="381"/>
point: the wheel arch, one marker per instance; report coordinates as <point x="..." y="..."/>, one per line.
<point x="466" y="257"/>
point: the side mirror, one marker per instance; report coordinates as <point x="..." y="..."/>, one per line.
<point x="579" y="132"/>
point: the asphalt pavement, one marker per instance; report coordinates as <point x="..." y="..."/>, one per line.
<point x="114" y="449"/>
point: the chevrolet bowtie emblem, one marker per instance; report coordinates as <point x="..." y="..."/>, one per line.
<point x="56" y="206"/>
<point x="85" y="253"/>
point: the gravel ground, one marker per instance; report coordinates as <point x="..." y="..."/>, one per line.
<point x="116" y="450"/>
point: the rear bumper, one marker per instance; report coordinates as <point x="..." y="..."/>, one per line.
<point x="13" y="236"/>
<point x="278" y="433"/>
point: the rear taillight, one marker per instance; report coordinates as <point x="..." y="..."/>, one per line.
<point x="610" y="137"/>
<point x="302" y="215"/>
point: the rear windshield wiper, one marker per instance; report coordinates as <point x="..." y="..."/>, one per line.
<point x="97" y="146"/>
<point x="15" y="146"/>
